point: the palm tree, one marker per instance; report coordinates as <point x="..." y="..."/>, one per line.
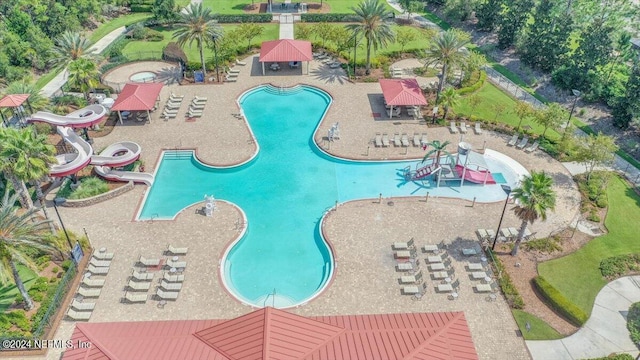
<point x="215" y="40"/>
<point x="84" y="75"/>
<point x="449" y="51"/>
<point x="19" y="231"/>
<point x="197" y="24"/>
<point x="534" y="198"/>
<point x="370" y="22"/>
<point x="72" y="46"/>
<point x="27" y="159"/>
<point x="449" y="99"/>
<point x="437" y="148"/>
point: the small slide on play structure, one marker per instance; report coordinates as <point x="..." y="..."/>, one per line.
<point x="474" y="176"/>
<point x="420" y="173"/>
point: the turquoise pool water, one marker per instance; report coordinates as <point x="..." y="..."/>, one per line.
<point x="282" y="260"/>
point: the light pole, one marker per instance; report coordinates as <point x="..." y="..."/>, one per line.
<point x="577" y="94"/>
<point x="507" y="189"/>
<point x="59" y="201"/>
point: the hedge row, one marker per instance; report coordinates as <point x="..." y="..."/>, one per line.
<point x="559" y="302"/>
<point x="243" y="18"/>
<point x="141" y="8"/>
<point x="312" y="17"/>
<point x="475" y="86"/>
<point x="508" y="288"/>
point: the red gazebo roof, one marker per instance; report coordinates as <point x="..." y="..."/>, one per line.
<point x="270" y="333"/>
<point x="402" y="92"/>
<point x="136" y="97"/>
<point x="13" y="100"/>
<point x="285" y="50"/>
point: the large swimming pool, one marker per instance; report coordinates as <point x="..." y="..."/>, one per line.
<point x="282" y="260"/>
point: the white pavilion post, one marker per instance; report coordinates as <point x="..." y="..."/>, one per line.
<point x="262" y="68"/>
<point x="120" y="116"/>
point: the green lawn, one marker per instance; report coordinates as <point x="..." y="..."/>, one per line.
<point x="44" y="79"/>
<point x="578" y="276"/>
<point x="124" y="20"/>
<point x="491" y="95"/>
<point x="9" y="291"/>
<point x="539" y="330"/>
<point x="132" y="49"/>
<point x="237" y="6"/>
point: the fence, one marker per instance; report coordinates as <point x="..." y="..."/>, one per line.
<point x="515" y="90"/>
<point x="49" y="314"/>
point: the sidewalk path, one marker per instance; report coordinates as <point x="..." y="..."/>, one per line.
<point x="604" y="333"/>
<point x="56" y="83"/>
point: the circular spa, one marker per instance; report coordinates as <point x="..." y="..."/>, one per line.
<point x="282" y="260"/>
<point x="143" y="77"/>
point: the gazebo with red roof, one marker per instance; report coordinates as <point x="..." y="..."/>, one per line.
<point x="137" y="97"/>
<point x="285" y="50"/>
<point x="402" y="92"/>
<point x="14" y="101"/>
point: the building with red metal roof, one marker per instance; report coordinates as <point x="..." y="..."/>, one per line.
<point x="285" y="50"/>
<point x="270" y="333"/>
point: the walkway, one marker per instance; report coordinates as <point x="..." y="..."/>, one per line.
<point x="57" y="82"/>
<point x="286" y="26"/>
<point x="604" y="333"/>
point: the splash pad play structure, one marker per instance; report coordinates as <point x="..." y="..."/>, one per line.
<point x="115" y="155"/>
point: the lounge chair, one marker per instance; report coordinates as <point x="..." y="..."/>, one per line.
<point x="433" y="259"/>
<point x="78" y="305"/>
<point x="533" y="146"/>
<point x="134" y="298"/>
<point x="378" y="140"/>
<point x="396" y="139"/>
<point x="404" y="266"/>
<point x="475" y="267"/>
<point x="100" y="263"/>
<point x="89" y="282"/>
<point x="199" y="99"/>
<point x="411" y="279"/>
<point x="416" y="139"/>
<point x="404" y="254"/>
<point x="478" y="275"/>
<point x="385" y="140"/>
<point x="414" y="289"/>
<point x="491" y="234"/>
<point x="241" y="63"/>
<point x="513" y="141"/>
<point x="167" y="295"/>
<point x="482" y="234"/>
<point x="197" y="104"/>
<point x="404" y="245"/>
<point x="172" y="106"/>
<point x="484" y="288"/>
<point x="103" y="255"/>
<point x="405" y="140"/>
<point x="434" y="248"/>
<point x="148" y="262"/>
<point x="194" y="113"/>
<point x="169" y="277"/>
<point x="89" y="292"/>
<point x="463" y="127"/>
<point x="170" y="111"/>
<point x="139" y="285"/>
<point x="523" y="142"/>
<point x="445" y="288"/>
<point x="97" y="270"/>
<point x="230" y="78"/>
<point x="233" y="71"/>
<point x="174" y="97"/>
<point x="228" y="74"/>
<point x="176" y="264"/>
<point x="79" y="315"/>
<point x="423" y="139"/>
<point x="477" y="129"/>
<point x="452" y="127"/>
<point x="167" y="115"/>
<point x="142" y="276"/>
<point x="171" y="286"/>
<point x="177" y="250"/>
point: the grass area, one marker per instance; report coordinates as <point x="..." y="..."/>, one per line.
<point x="491" y="97"/>
<point x="578" y="275"/>
<point x="9" y="291"/>
<point x="124" y="20"/>
<point x="131" y="50"/>
<point x="435" y="19"/>
<point x="539" y="330"/>
<point x="238" y="6"/>
<point x="44" y="79"/>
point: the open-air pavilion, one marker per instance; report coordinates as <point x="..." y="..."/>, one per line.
<point x="138" y="97"/>
<point x="15" y="102"/>
<point x="401" y="92"/>
<point x="286" y="50"/>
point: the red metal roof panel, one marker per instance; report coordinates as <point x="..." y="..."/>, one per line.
<point x="402" y="92"/>
<point x="137" y="97"/>
<point x="285" y="50"/>
<point x="13" y="100"/>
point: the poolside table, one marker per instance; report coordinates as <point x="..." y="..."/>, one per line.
<point x="475" y="266"/>
<point x="469" y="252"/>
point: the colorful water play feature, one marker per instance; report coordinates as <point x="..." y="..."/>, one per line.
<point x="282" y="259"/>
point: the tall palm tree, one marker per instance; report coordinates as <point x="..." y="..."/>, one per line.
<point x="84" y="75"/>
<point x="370" y="16"/>
<point x="449" y="99"/>
<point x="437" y="148"/>
<point x="197" y="24"/>
<point x="448" y="50"/>
<point x="19" y="231"/>
<point x="534" y="198"/>
<point x="27" y="157"/>
<point x="72" y="46"/>
<point x="215" y="41"/>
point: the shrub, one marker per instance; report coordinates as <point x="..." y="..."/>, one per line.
<point x="593" y="216"/>
<point x="141" y="8"/>
<point x="43" y="261"/>
<point x="508" y="288"/>
<point x="43" y="128"/>
<point x="633" y="322"/>
<point x="474" y="87"/>
<point x="546" y="245"/>
<point x="174" y="53"/>
<point x="243" y="18"/>
<point x="316" y="17"/>
<point x="616" y="266"/>
<point x="90" y="186"/>
<point x="66" y="265"/>
<point x="14" y="318"/>
<point x="38" y="289"/>
<point x="559" y="302"/>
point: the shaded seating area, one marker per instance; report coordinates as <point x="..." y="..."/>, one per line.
<point x="293" y="52"/>
<point x="14" y="102"/>
<point x="141" y="98"/>
<point x="402" y="92"/>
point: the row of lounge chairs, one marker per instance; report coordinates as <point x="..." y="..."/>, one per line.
<point x="231" y="74"/>
<point x="172" y="106"/>
<point x="90" y="285"/>
<point x="522" y="144"/>
<point x="196" y="107"/>
<point x="463" y="128"/>
<point x="382" y="140"/>
<point x="169" y="285"/>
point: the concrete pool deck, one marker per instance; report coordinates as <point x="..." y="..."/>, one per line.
<point x="361" y="231"/>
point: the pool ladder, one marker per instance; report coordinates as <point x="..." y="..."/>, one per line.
<point x="273" y="302"/>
